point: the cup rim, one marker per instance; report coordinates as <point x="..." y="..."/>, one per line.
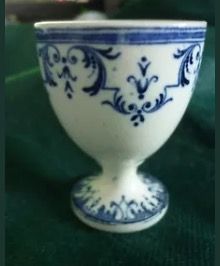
<point x="121" y="23"/>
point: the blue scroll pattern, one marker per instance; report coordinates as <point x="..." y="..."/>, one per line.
<point x="122" y="211"/>
<point x="94" y="60"/>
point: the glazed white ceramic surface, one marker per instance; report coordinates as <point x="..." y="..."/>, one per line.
<point x="119" y="89"/>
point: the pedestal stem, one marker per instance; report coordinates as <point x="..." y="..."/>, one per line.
<point x="125" y="171"/>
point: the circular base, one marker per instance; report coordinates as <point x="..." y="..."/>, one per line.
<point x="115" y="207"/>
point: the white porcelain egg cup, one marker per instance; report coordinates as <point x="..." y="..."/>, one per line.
<point x="119" y="89"/>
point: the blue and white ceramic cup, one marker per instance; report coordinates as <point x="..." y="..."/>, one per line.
<point x="119" y="89"/>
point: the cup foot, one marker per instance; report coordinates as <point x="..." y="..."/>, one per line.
<point x="112" y="206"/>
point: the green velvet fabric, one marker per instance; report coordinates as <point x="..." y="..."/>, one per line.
<point x="168" y="9"/>
<point x="42" y="164"/>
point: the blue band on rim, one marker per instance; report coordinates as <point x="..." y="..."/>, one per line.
<point x="121" y="35"/>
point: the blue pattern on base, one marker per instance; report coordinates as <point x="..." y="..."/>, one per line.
<point x="125" y="211"/>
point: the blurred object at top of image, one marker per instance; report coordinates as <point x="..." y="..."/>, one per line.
<point x="91" y="15"/>
<point x="30" y="11"/>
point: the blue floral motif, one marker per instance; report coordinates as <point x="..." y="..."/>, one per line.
<point x="137" y="112"/>
<point x="143" y="83"/>
<point x="124" y="211"/>
<point x="67" y="75"/>
<point x="93" y="59"/>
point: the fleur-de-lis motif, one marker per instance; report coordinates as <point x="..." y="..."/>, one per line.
<point x="142" y="84"/>
<point x="67" y="75"/>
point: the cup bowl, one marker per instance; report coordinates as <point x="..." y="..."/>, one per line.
<point x="119" y="89"/>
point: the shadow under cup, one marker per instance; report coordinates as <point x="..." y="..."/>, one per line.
<point x="119" y="89"/>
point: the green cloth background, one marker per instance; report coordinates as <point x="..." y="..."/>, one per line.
<point x="42" y="164"/>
